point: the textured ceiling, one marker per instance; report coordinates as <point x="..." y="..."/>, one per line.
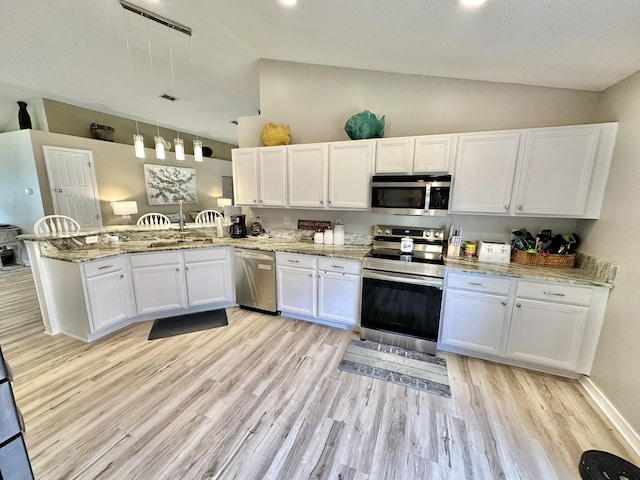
<point x="75" y="50"/>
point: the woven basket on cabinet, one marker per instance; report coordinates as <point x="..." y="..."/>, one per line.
<point x="537" y="260"/>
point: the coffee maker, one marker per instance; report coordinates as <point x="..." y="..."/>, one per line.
<point x="238" y="227"/>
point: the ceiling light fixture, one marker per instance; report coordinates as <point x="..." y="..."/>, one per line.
<point x="472" y="3"/>
<point x="138" y="140"/>
<point x="178" y="142"/>
<point x="288" y="3"/>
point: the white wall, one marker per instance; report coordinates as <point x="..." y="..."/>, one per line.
<point x="614" y="237"/>
<point x="317" y="101"/>
<point x="18" y="172"/>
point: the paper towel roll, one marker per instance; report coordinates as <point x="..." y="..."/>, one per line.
<point x="338" y="235"/>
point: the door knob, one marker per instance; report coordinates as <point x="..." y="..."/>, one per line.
<point x="58" y="190"/>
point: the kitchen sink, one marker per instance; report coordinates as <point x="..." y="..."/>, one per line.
<point x="178" y="243"/>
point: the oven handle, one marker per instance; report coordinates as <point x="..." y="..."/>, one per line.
<point x="400" y="278"/>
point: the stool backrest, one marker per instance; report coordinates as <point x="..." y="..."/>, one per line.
<point x="52" y="224"/>
<point x="208" y="216"/>
<point x="153" y="219"/>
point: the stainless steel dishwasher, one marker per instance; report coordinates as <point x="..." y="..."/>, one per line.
<point x="255" y="280"/>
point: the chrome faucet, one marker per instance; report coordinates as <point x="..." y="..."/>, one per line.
<point x="181" y="217"/>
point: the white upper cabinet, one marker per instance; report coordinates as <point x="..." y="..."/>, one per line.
<point x="350" y="170"/>
<point x="557" y="166"/>
<point x="537" y="172"/>
<point x="245" y="176"/>
<point x="260" y="176"/>
<point x="433" y="154"/>
<point x="272" y="163"/>
<point x="485" y="165"/>
<point x="414" y="155"/>
<point x="307" y="179"/>
<point x="394" y="155"/>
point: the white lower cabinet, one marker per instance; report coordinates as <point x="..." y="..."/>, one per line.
<point x="172" y="280"/>
<point x="320" y="289"/>
<point x="158" y="281"/>
<point x="547" y="326"/>
<point x="475" y="321"/>
<point x="108" y="291"/>
<point x="547" y="333"/>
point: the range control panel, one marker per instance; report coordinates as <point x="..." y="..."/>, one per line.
<point x="391" y="232"/>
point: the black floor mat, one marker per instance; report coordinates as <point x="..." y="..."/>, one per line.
<point x="193" y="322"/>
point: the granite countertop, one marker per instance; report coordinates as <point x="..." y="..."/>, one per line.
<point x="590" y="270"/>
<point x="576" y="276"/>
<point x="84" y="254"/>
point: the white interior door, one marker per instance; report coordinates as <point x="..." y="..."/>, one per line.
<point x="73" y="185"/>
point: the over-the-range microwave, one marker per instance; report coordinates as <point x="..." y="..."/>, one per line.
<point x="410" y="194"/>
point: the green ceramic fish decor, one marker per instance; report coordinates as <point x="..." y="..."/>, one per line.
<point x="364" y="125"/>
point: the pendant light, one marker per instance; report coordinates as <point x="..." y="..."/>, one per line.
<point x="178" y="142"/>
<point x="197" y="149"/>
<point x="138" y="140"/>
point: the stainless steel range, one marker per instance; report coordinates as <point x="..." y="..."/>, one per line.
<point x="402" y="291"/>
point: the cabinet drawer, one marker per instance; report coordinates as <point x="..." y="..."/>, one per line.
<point x="338" y="265"/>
<point x="100" y="267"/>
<point x="295" y="260"/>
<point x="479" y="283"/>
<point x="152" y="259"/>
<point x="205" y="254"/>
<point x="553" y="292"/>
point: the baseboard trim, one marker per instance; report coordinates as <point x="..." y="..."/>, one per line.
<point x="612" y="413"/>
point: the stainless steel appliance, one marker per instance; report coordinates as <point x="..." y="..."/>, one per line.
<point x="410" y="194"/>
<point x="255" y="274"/>
<point x="402" y="292"/>
<point x="238" y="226"/>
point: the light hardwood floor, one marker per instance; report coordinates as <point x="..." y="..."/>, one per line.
<point x="263" y="399"/>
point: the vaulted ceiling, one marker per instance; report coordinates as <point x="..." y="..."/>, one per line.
<point x="75" y="51"/>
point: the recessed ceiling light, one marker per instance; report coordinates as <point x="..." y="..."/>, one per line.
<point x="472" y="3"/>
<point x="288" y="3"/>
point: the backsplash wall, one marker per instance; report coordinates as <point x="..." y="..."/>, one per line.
<point x="476" y="227"/>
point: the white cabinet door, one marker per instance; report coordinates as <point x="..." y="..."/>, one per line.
<point x="556" y="170"/>
<point x="484" y="172"/>
<point x="338" y="297"/>
<point x="158" y="288"/>
<point x="433" y="154"/>
<point x="548" y="334"/>
<point x="245" y="176"/>
<point x="297" y="290"/>
<point x="394" y="155"/>
<point x="207" y="282"/>
<point x="109" y="298"/>
<point x="307" y="175"/>
<point x="350" y="167"/>
<point x="272" y="172"/>
<point x="474" y="321"/>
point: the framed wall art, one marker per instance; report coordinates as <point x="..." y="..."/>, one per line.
<point x="168" y="185"/>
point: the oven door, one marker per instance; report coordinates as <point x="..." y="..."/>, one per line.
<point x="401" y="303"/>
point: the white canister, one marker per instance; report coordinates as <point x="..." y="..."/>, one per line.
<point x="318" y="237"/>
<point x="406" y="244"/>
<point x="338" y="235"/>
<point x="328" y="237"/>
<point x="219" y="226"/>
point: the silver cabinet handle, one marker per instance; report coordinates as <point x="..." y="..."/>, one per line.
<point x="321" y="202"/>
<point x="337" y="266"/>
<point x="554" y="294"/>
<point x="293" y="261"/>
<point x="507" y="207"/>
<point x="518" y="305"/>
<point x="105" y="266"/>
<point x="23" y="427"/>
<point x="177" y="269"/>
<point x="503" y="303"/>
<point x="519" y="207"/>
<point x="122" y="275"/>
<point x="476" y="284"/>
<point x="329" y="202"/>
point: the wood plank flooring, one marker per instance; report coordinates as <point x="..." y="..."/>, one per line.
<point x="263" y="399"/>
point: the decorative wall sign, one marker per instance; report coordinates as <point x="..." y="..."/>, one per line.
<point x="314" y="225"/>
<point x="168" y="185"/>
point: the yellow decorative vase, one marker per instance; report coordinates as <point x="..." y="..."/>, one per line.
<point x="274" y="134"/>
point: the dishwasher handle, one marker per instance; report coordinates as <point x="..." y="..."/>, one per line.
<point x="251" y="254"/>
